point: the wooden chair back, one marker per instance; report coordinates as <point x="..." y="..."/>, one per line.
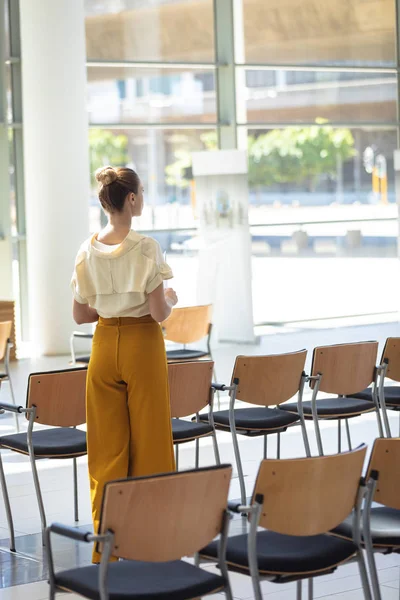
<point x="188" y="325"/>
<point x="269" y="380"/>
<point x="385" y="458"/>
<point x="5" y="332"/>
<point x="309" y="496"/>
<point x="59" y="397"/>
<point x="391" y="354"/>
<point x="345" y="368"/>
<point x="189" y="386"/>
<point x="165" y="517"/>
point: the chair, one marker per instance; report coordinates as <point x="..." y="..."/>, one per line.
<point x="296" y="502"/>
<point x="151" y="523"/>
<point x="188" y="325"/>
<point x="5" y="348"/>
<point x="82" y="336"/>
<point x="389" y="396"/>
<point x="343" y="370"/>
<point x="184" y="326"/>
<point x="190" y="385"/>
<point x="265" y="381"/>
<point x="57" y="399"/>
<point x="380" y="523"/>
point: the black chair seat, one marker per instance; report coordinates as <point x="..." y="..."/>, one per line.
<point x="385" y="526"/>
<point x="392" y="395"/>
<point x="3" y="375"/>
<point x="331" y="407"/>
<point x="286" y="554"/>
<point x="82" y="359"/>
<point x="176" y="580"/>
<point x="256" y="419"/>
<point x="186" y="354"/>
<point x="189" y="430"/>
<point x="60" y="441"/>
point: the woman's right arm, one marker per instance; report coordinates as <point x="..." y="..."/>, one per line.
<point x="83" y="313"/>
<point x="161" y="302"/>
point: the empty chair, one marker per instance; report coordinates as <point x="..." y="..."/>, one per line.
<point x="190" y="392"/>
<point x="266" y="381"/>
<point x="151" y="523"/>
<point x="297" y="502"/>
<point x="342" y="370"/>
<point x="381" y="522"/>
<point x="389" y="395"/>
<point x="5" y="348"/>
<point x="185" y="326"/>
<point x="84" y="359"/>
<point x="57" y="399"/>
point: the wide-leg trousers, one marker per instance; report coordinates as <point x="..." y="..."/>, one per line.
<point x="128" y="407"/>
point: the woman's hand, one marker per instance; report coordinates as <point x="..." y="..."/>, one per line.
<point x="170" y="297"/>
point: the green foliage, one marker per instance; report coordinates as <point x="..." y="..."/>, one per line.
<point x="298" y="154"/>
<point x="176" y="172"/>
<point x="106" y="148"/>
<point x="292" y="155"/>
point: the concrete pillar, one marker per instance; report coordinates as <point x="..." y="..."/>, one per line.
<point x="56" y="161"/>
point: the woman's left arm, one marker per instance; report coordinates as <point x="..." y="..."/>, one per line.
<point x="83" y="313"/>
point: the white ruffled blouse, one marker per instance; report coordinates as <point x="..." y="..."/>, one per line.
<point x="117" y="283"/>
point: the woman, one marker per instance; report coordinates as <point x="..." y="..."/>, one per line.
<point x="118" y="281"/>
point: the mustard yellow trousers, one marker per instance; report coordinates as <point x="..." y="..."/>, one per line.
<point x="128" y="408"/>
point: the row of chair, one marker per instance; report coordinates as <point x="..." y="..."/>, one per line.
<point x="307" y="517"/>
<point x="185" y="326"/>
<point x="57" y="399"/>
<point x="270" y="382"/>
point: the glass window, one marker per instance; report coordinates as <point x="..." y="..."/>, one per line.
<point x="167" y="30"/>
<point x="127" y="95"/>
<point x="162" y="158"/>
<point x="302" y="96"/>
<point x="316" y="32"/>
<point x="323" y="214"/>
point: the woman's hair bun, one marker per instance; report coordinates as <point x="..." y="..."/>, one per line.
<point x="106" y="175"/>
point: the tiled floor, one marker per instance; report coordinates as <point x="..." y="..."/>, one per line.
<point x="23" y="575"/>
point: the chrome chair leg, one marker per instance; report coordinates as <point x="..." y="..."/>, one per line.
<point x="339" y="436"/>
<point x="216" y="449"/>
<point x="299" y="589"/>
<point x="265" y="446"/>
<point x="197" y="460"/>
<point x="278" y="445"/>
<point x="6" y="498"/>
<point x="239" y="467"/>
<point x="310" y="589"/>
<point x="177" y="457"/>
<point x="35" y="475"/>
<point x="348" y="434"/>
<point x="76" y="504"/>
<point x="364" y="577"/>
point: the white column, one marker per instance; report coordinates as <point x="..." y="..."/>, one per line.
<point x="56" y="161"/>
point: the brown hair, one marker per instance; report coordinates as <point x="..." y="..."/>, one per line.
<point x="115" y="184"/>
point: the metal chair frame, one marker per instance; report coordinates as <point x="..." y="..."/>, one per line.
<point x="314" y="411"/>
<point x="232" y="389"/>
<point x="7" y="377"/>
<point x="213" y="434"/>
<point x="107" y="541"/>
<point x="31" y="413"/>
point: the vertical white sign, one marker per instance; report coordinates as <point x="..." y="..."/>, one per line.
<point x="225" y="256"/>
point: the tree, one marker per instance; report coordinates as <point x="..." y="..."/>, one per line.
<point x="298" y="154"/>
<point x="106" y="148"/>
<point x="176" y="173"/>
<point x="291" y="155"/>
